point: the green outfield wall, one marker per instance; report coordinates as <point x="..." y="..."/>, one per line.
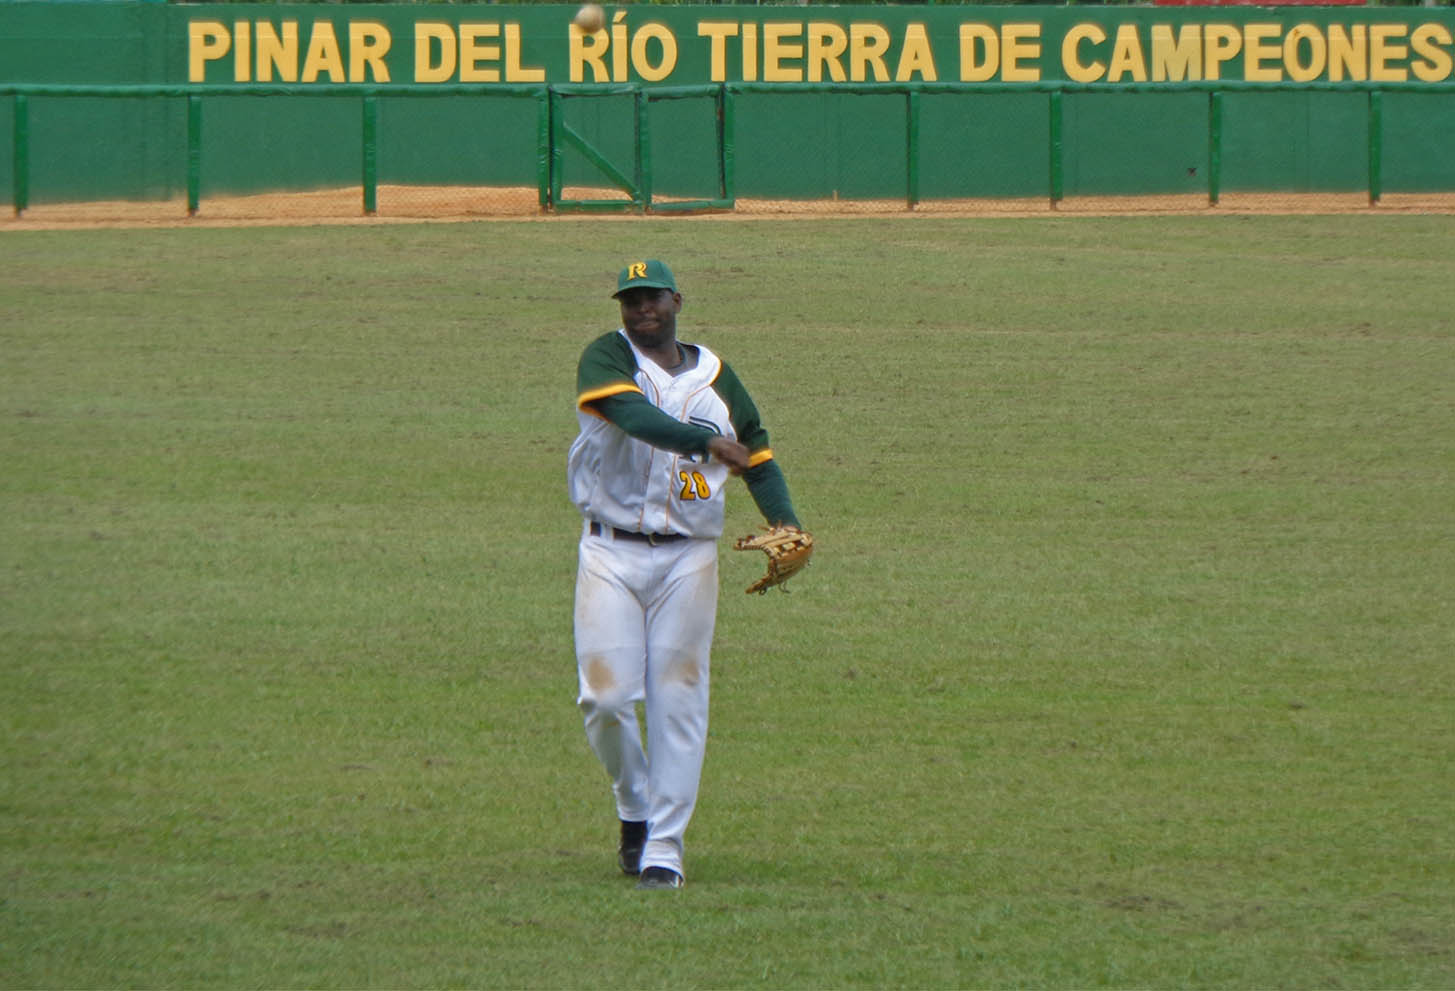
<point x="819" y="96"/>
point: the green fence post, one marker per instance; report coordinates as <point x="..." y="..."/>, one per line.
<point x="557" y="153"/>
<point x="543" y="149"/>
<point x="719" y="100"/>
<point x="194" y="153"/>
<point x="911" y="147"/>
<point x="1058" y="181"/>
<point x="1214" y="147"/>
<point x="1376" y="146"/>
<point x="371" y="156"/>
<point x="644" y="151"/>
<point x="729" y="152"/>
<point x="20" y="177"/>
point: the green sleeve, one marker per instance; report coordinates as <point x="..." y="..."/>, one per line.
<point x="769" y="490"/>
<point x="606" y="385"/>
<point x="766" y="483"/>
<point x="607" y="367"/>
<point x="746" y="422"/>
<point x="632" y="413"/>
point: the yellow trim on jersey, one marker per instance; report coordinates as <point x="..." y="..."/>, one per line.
<point x="758" y="457"/>
<point x="584" y="401"/>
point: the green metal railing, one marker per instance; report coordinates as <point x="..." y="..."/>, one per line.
<point x="197" y="94"/>
<point x="20" y="170"/>
<point x="1056" y="90"/>
<point x="554" y="134"/>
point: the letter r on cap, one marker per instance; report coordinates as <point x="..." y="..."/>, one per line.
<point x="638" y="270"/>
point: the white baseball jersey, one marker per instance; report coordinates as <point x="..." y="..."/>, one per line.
<point x="618" y="480"/>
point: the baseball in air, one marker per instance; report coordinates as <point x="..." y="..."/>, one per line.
<point x="590" y="18"/>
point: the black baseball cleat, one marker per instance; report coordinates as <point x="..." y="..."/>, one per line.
<point x="629" y="853"/>
<point x="659" y="878"/>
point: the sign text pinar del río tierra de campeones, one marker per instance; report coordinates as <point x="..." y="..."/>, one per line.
<point x="636" y="46"/>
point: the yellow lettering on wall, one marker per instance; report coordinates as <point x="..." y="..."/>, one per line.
<point x="514" y="71"/>
<point x="1435" y="65"/>
<point x="717" y="33"/>
<point x="369" y="42"/>
<point x="619" y="50"/>
<point x="428" y="35"/>
<point x="867" y="45"/>
<point x="779" y="44"/>
<point x="1126" y="56"/>
<point x="834" y="48"/>
<point x="1262" y="53"/>
<point x="827" y="43"/>
<point x="1174" y="60"/>
<point x="323" y="55"/>
<point x="915" y="58"/>
<point x="242" y="52"/>
<point x="654" y="72"/>
<point x="1383" y="50"/>
<point x="1221" y="43"/>
<point x="1020" y="43"/>
<point x="750" y="52"/>
<point x="974" y="39"/>
<point x="1348" y="54"/>
<point x="207" y="41"/>
<point x="277" y="52"/>
<point x="588" y="49"/>
<point x="473" y="53"/>
<point x="1076" y="70"/>
<point x="1303" y="36"/>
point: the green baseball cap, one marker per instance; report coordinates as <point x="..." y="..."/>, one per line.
<point x="650" y="274"/>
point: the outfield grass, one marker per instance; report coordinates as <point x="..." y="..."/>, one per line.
<point x="1125" y="660"/>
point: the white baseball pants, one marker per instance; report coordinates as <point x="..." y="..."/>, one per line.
<point x="644" y="623"/>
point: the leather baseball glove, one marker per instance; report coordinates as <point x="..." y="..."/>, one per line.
<point x="788" y="549"/>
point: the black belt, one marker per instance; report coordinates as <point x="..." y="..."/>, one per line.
<point x="646" y="538"/>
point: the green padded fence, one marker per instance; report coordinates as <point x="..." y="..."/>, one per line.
<point x="624" y="159"/>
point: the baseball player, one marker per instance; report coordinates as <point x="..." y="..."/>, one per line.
<point x="662" y="427"/>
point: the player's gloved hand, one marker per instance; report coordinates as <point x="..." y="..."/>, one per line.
<point x="788" y="549"/>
